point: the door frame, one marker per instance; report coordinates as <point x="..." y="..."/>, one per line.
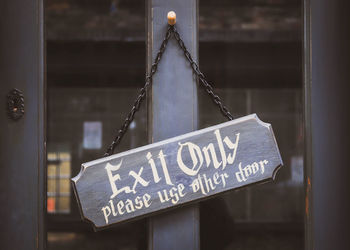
<point x="23" y="148"/>
<point x="326" y="59"/>
<point x="22" y="144"/>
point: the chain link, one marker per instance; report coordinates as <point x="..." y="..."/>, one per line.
<point x="141" y="96"/>
<point x="207" y="86"/>
<point x="136" y="106"/>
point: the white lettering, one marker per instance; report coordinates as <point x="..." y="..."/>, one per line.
<point x="138" y="179"/>
<point x="138" y="202"/>
<point x="120" y="206"/>
<point x="161" y="156"/>
<point x="243" y="173"/>
<point x="112" y="179"/>
<point x="221" y="147"/>
<point x="146" y="198"/>
<point x="195" y="154"/>
<point x="129" y="206"/>
<point x="153" y="167"/>
<point x="161" y="198"/>
<point x="174" y="195"/>
<point x="240" y="175"/>
<point x="106" y="213"/>
<point x="206" y="150"/>
<point x="234" y="146"/>
<point x="262" y="164"/>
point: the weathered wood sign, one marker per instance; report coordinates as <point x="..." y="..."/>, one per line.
<point x="176" y="171"/>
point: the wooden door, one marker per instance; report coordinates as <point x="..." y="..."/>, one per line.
<point x="22" y="150"/>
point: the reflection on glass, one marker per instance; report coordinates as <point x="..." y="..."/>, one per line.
<point x="64" y="186"/>
<point x="64" y="204"/>
<point x="92" y="135"/>
<point x="251" y="51"/>
<point x="95" y="66"/>
<point x="51" y="204"/>
<point x="65" y="169"/>
<point x="51" y="170"/>
<point x="58" y="183"/>
<point x="51" y="156"/>
<point x="51" y="186"/>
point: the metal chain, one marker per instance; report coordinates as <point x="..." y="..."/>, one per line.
<point x="136" y="106"/>
<point x="141" y="96"/>
<point x="208" y="88"/>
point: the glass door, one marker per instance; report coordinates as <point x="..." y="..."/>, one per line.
<point x="250" y="50"/>
<point x="95" y="66"/>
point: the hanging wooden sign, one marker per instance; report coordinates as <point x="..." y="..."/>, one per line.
<point x="177" y="171"/>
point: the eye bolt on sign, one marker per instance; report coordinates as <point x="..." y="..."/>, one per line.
<point x="177" y="171"/>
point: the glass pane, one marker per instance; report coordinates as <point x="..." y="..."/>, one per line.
<point x="95" y="67"/>
<point x="64" y="186"/>
<point x="251" y="51"/>
<point x="51" y="156"/>
<point x="51" y="185"/>
<point x="51" y="170"/>
<point x="64" y="204"/>
<point x="51" y="204"/>
<point x="64" y="156"/>
<point x="65" y="169"/>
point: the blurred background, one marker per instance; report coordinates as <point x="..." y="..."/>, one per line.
<point x="251" y="50"/>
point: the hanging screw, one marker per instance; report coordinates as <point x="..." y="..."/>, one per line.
<point x="171" y="18"/>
